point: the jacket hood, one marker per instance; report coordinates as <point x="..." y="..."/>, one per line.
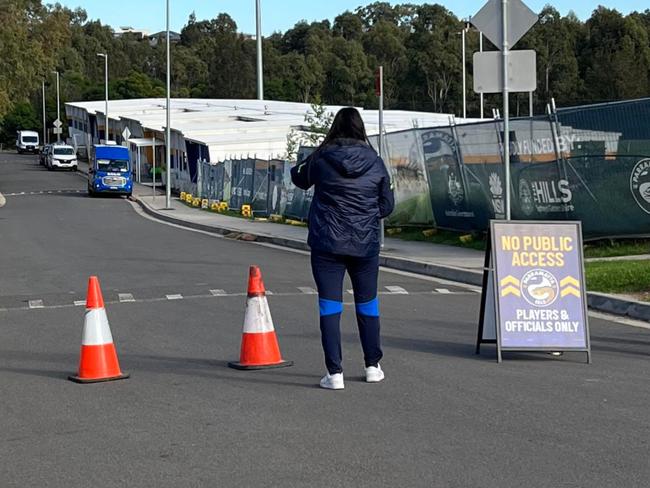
<point x="351" y="158"/>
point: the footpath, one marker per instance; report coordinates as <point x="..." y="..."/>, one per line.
<point x="436" y="260"/>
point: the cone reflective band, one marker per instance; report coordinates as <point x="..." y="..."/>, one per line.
<point x="259" y="345"/>
<point x="98" y="360"/>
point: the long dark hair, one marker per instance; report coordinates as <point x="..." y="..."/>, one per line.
<point x="347" y="124"/>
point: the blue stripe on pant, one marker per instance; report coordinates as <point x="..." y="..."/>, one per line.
<point x="329" y="271"/>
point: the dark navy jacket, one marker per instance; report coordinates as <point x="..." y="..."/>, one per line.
<point x="352" y="192"/>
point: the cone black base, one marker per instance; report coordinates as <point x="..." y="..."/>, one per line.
<point x="84" y="381"/>
<point x="242" y="367"/>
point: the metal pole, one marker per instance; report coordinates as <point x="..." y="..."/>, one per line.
<point x="168" y="132"/>
<point x="58" y="106"/>
<point x="154" y="167"/>
<point x="530" y="104"/>
<point x="381" y="111"/>
<point x="482" y="96"/>
<point x="108" y="132"/>
<point x="44" y="119"/>
<point x="506" y="107"/>
<point x="260" y="62"/>
<point x="463" y="35"/>
<point x="382" y="147"/>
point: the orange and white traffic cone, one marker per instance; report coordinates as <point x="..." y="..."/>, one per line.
<point x="259" y="345"/>
<point x="98" y="361"/>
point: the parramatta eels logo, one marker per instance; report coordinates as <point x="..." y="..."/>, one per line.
<point x="640" y="184"/>
<point x="538" y="287"/>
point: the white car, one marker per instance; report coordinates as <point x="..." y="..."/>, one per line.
<point x="61" y="156"/>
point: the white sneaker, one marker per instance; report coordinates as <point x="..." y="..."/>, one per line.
<point x="374" y="374"/>
<point x="332" y="381"/>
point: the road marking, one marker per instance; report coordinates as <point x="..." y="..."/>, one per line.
<point x="218" y="293"/>
<point x="79" y="303"/>
<point x="397" y="290"/>
<point x="36" y="304"/>
<point x="350" y="292"/>
<point x="125" y="297"/>
<point x="307" y="290"/>
<point x="443" y="291"/>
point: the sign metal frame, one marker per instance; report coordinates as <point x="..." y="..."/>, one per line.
<point x="491" y="267"/>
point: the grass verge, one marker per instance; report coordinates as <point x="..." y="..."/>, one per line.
<point x="622" y="277"/>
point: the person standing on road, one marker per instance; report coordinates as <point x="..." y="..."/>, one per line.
<point x="352" y="193"/>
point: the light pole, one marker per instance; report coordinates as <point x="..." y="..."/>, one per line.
<point x="168" y="132"/>
<point x="260" y="62"/>
<point x="480" y="43"/>
<point x="463" y="35"/>
<point x="105" y="56"/>
<point x="44" y="120"/>
<point x="58" y="106"/>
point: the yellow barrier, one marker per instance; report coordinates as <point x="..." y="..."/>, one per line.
<point x="188" y="198"/>
<point x="196" y="202"/>
<point x="246" y="211"/>
<point x="223" y="207"/>
<point x="215" y="206"/>
<point x="204" y="203"/>
<point x="183" y="194"/>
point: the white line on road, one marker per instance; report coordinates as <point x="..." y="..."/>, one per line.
<point x="80" y="303"/>
<point x="125" y="297"/>
<point x="218" y="293"/>
<point x="443" y="291"/>
<point x="35" y="304"/>
<point x="397" y="290"/>
<point x="307" y="290"/>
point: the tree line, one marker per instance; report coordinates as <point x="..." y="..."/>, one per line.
<point x="606" y="57"/>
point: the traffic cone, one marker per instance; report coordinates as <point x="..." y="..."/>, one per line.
<point x="259" y="345"/>
<point x="98" y="360"/>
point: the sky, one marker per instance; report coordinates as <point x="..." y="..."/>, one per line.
<point x="280" y="15"/>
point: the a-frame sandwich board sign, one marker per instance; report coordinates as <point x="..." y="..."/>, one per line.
<point x="534" y="295"/>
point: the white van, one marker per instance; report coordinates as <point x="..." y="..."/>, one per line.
<point x="27" y="141"/>
<point x="61" y="156"/>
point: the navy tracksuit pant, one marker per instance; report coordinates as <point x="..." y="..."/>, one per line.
<point x="329" y="271"/>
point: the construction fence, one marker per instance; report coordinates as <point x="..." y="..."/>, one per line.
<point x="590" y="164"/>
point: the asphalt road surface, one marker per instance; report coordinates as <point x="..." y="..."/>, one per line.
<point x="442" y="418"/>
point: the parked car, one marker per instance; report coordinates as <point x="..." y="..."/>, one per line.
<point x="62" y="156"/>
<point x="26" y="141"/>
<point x="42" y="155"/>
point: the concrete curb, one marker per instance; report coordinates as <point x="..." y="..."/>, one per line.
<point x="619" y="306"/>
<point x="596" y="301"/>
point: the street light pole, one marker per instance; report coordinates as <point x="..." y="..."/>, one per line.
<point x="480" y="42"/>
<point x="105" y="56"/>
<point x="463" y="35"/>
<point x="44" y="120"/>
<point x="58" y="105"/>
<point x="168" y="132"/>
<point x="260" y="62"/>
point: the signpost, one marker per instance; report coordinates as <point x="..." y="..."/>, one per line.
<point x="534" y="296"/>
<point x="126" y="135"/>
<point x="57" y="127"/>
<point x="504" y="22"/>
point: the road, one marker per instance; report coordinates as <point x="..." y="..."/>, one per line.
<point x="443" y="418"/>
